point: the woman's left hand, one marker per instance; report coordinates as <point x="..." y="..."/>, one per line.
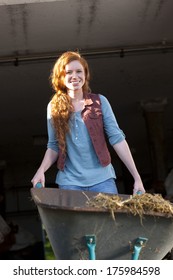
<point x="138" y="187"/>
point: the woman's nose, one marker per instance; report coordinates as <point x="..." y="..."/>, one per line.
<point x="74" y="74"/>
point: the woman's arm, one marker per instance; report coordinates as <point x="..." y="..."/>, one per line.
<point x="123" y="151"/>
<point x="49" y="159"/>
<point x="51" y="153"/>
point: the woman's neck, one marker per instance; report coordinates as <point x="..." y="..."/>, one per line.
<point x="76" y="96"/>
<point x="77" y="100"/>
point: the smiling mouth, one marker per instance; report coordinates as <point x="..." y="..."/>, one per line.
<point x="75" y="82"/>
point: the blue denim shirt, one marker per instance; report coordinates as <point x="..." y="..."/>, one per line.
<point x="82" y="166"/>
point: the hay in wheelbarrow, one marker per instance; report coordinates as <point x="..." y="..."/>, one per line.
<point x="137" y="204"/>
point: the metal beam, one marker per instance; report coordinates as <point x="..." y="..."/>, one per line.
<point x="121" y="52"/>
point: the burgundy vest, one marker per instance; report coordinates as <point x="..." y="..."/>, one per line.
<point x="93" y="119"/>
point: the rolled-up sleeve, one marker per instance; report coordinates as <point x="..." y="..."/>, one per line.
<point x="52" y="140"/>
<point x="111" y="127"/>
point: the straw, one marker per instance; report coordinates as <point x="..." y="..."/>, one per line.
<point x="136" y="204"/>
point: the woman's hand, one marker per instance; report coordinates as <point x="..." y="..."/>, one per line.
<point x="124" y="153"/>
<point x="138" y="187"/>
<point x="49" y="158"/>
<point x="39" y="177"/>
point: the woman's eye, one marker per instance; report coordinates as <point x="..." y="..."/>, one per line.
<point x="70" y="72"/>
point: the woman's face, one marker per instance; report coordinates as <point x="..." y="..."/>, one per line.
<point x="74" y="76"/>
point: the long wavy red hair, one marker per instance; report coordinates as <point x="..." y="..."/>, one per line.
<point x="61" y="106"/>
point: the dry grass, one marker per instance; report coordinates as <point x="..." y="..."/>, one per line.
<point x="137" y="204"/>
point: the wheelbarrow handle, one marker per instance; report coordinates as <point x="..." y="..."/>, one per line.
<point x="139" y="192"/>
<point x="39" y="185"/>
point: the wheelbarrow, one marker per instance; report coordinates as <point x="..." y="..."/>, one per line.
<point x="78" y="231"/>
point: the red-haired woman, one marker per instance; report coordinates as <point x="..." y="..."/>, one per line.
<point x="78" y="121"/>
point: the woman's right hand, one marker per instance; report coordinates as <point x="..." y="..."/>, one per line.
<point x="49" y="158"/>
<point x="39" y="177"/>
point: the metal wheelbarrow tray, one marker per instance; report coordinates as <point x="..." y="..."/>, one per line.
<point x="68" y="220"/>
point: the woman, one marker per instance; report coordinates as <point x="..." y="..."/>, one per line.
<point x="77" y="121"/>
